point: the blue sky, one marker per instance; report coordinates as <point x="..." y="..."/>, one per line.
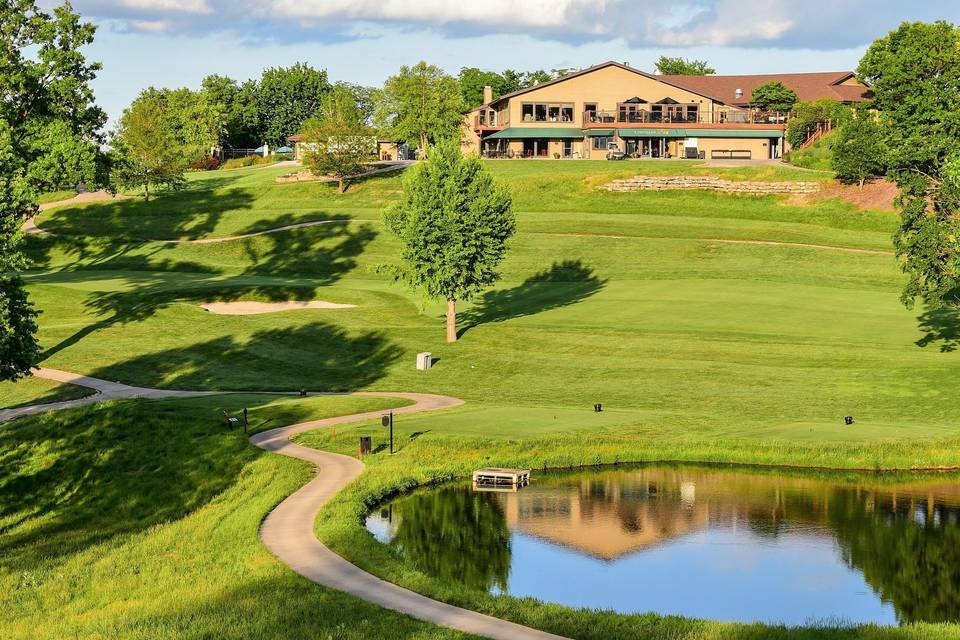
<point x="178" y="42"/>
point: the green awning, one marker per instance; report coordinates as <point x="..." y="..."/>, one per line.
<point x="700" y="133"/>
<point x="652" y="133"/>
<point x="519" y="133"/>
<point x="599" y="133"/>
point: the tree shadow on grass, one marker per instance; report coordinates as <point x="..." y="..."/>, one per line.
<point x="563" y="284"/>
<point x="191" y="213"/>
<point x="317" y="356"/>
<point x="76" y="478"/>
<point x="320" y="256"/>
<point x="940" y="327"/>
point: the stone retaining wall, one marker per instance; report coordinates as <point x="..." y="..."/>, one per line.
<point x="660" y="183"/>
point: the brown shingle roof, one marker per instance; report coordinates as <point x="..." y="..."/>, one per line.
<point x="807" y="86"/>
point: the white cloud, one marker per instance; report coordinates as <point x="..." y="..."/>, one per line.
<point x="152" y="26"/>
<point x="529" y="13"/>
<point x="201" y="7"/>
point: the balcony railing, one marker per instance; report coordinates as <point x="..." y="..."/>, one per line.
<point x="750" y="116"/>
<point x="486" y="122"/>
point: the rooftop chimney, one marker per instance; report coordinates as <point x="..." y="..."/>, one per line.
<point x="487" y="94"/>
<point x="626" y="64"/>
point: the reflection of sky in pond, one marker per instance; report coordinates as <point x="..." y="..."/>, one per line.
<point x="721" y="574"/>
<point x="701" y="542"/>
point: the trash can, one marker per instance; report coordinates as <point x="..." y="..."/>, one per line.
<point x="424" y="360"/>
<point x="366" y="444"/>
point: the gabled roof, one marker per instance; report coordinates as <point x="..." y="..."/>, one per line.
<point x="596" y="67"/>
<point x="807" y="86"/>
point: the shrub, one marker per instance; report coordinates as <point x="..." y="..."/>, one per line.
<point x="208" y="163"/>
<point x="860" y="153"/>
<point x="807" y="115"/>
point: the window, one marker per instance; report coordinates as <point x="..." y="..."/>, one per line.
<point x="602" y="142"/>
<point x="547" y="112"/>
<point x="692" y="113"/>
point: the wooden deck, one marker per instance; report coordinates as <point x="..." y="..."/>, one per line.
<point x="500" y="478"/>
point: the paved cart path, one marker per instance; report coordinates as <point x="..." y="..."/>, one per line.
<point x="287" y="531"/>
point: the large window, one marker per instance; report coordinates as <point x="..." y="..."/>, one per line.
<point x="547" y="111"/>
<point x="602" y="142"/>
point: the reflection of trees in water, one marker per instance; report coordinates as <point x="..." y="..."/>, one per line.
<point x="908" y="552"/>
<point x="455" y="534"/>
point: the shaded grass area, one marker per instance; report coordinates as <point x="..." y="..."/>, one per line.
<point x="56" y="196"/>
<point x="224" y="203"/>
<point x="430" y="453"/>
<point x="38" y="391"/>
<point x="140" y="520"/>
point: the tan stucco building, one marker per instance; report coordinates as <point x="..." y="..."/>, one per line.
<point x="583" y="114"/>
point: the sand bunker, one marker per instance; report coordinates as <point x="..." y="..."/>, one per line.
<point x="248" y="308"/>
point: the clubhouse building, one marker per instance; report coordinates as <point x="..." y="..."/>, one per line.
<point x="585" y="113"/>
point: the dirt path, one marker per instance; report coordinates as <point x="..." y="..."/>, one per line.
<point x="250" y="308"/>
<point x="772" y="243"/>
<point x="287" y="531"/>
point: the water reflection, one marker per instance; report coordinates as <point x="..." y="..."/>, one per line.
<point x="704" y="542"/>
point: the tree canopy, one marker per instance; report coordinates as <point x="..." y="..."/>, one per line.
<point x="774" y="96"/>
<point x="860" y="153"/>
<point x="915" y="75"/>
<point x="420" y="105"/>
<point x="683" y="67"/>
<point x="146" y="146"/>
<point x="44" y="92"/>
<point x="453" y="222"/>
<point x="286" y="98"/>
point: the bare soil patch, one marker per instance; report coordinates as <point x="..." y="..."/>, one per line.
<point x="879" y="194"/>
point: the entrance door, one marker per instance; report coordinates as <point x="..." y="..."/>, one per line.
<point x="535" y="147"/>
<point x="567" y="148"/>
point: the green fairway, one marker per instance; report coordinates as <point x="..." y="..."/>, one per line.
<point x="711" y="327"/>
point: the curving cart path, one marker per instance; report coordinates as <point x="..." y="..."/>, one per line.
<point x="287" y="531"/>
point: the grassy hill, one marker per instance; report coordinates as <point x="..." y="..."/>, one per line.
<point x="818" y="156"/>
<point x="711" y="327"/>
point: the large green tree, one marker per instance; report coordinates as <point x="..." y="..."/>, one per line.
<point x="915" y="75"/>
<point x="286" y="98"/>
<point x="44" y="84"/>
<point x="773" y="96"/>
<point x="420" y="105"/>
<point x="454" y="223"/>
<point x="472" y="81"/>
<point x="683" y="67"/>
<point x="339" y="143"/>
<point x="147" y="150"/>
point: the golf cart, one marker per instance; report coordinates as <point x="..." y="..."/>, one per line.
<point x="614" y="152"/>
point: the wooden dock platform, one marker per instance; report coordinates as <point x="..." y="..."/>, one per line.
<point x="500" y="477"/>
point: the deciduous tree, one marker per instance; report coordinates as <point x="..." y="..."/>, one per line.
<point x="859" y="153"/>
<point x="420" y="105"/>
<point x="44" y="80"/>
<point x="915" y="75"/>
<point x="339" y="143"/>
<point x="454" y="223"/>
<point x="774" y="96"/>
<point x="147" y="151"/>
<point x="286" y="98"/>
<point x="683" y="67"/>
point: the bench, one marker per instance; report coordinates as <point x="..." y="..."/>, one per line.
<point x="731" y="154"/>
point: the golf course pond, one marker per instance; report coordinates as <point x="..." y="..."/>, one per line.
<point x="723" y="543"/>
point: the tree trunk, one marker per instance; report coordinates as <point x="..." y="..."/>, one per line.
<point x="423" y="146"/>
<point x="146" y="192"/>
<point x="451" y="320"/>
<point x="861" y="183"/>
<point x="342" y="185"/>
